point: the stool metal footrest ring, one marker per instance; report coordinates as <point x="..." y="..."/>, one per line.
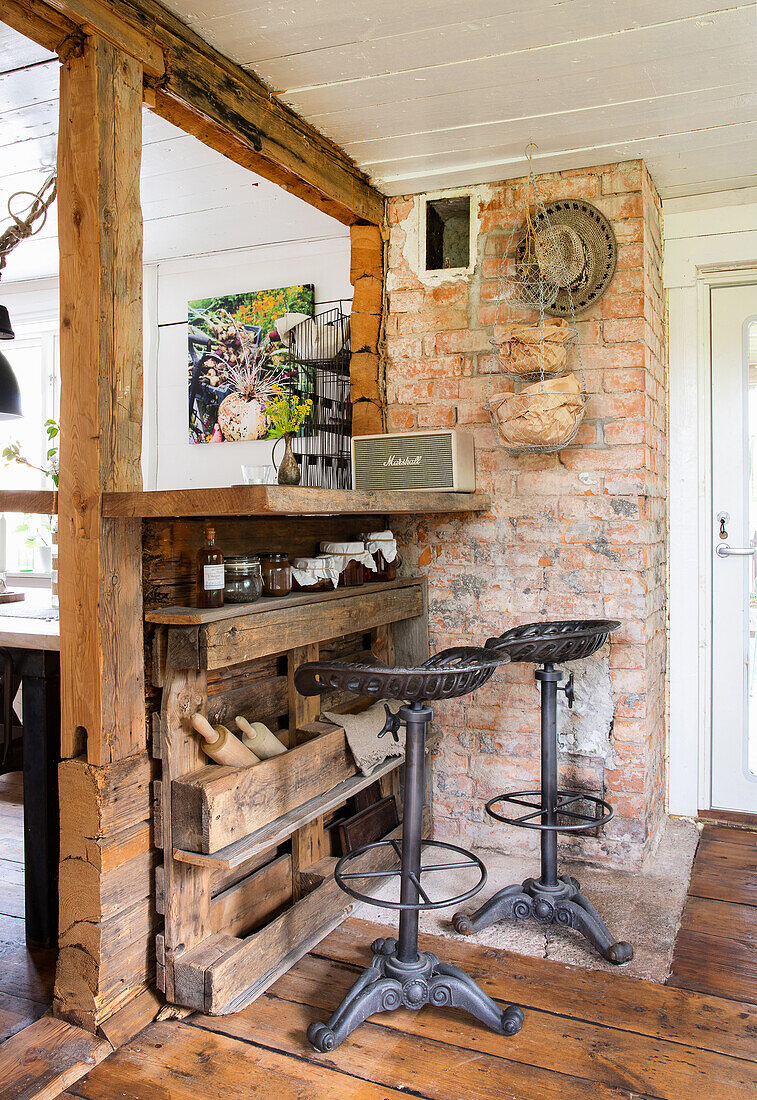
<point x="400" y="974"/>
<point x="469" y="862"/>
<point x="535" y="819"/>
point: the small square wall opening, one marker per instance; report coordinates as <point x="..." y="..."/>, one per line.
<point x="448" y="233"/>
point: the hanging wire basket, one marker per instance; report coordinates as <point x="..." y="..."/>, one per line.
<point x="539" y="262"/>
<point x="528" y="352"/>
<point x="536" y="422"/>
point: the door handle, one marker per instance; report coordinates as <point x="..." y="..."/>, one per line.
<point x="724" y="551"/>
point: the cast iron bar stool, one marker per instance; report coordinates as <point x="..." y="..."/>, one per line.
<point x="551" y="898"/>
<point x="400" y="975"/>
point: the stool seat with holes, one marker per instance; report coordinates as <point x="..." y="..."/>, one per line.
<point x="401" y="975"/>
<point x="550" y="898"/>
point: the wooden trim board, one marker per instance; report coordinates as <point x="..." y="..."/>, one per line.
<point x="200" y="616"/>
<point x="287" y="500"/>
<point x="234" y="855"/>
<point x="215" y="806"/>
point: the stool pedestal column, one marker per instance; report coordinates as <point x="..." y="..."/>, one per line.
<point x="400" y="975"/>
<point x="550" y="899"/>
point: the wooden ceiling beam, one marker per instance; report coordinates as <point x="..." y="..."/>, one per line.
<point x="205" y="93"/>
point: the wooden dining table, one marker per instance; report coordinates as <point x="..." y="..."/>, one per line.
<point x="33" y="646"/>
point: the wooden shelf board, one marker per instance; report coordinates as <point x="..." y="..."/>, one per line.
<point x="42" y="502"/>
<point x="277" y="831"/>
<point x="199" y="616"/>
<point x="287" y="500"/>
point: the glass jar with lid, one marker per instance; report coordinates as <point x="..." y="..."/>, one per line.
<point x="349" y="558"/>
<point x="243" y="580"/>
<point x="382" y="546"/>
<point x="277" y="574"/>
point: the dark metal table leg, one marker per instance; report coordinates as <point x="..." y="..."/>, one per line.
<point x="40" y="688"/>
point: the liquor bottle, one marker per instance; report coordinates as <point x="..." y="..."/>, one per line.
<point x="210" y="572"/>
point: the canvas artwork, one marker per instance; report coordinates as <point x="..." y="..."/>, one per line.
<point x="239" y="368"/>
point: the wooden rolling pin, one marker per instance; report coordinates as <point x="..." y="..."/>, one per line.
<point x="221" y="745"/>
<point x="257" y="737"/>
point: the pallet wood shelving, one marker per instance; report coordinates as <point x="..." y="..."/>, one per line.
<point x="246" y="881"/>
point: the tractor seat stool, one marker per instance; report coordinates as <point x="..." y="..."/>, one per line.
<point x="400" y="975"/>
<point x="550" y="899"/>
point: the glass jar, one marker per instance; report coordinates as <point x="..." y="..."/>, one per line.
<point x="244" y="580"/>
<point x="306" y="575"/>
<point x="385" y="570"/>
<point x="348" y="559"/>
<point x="277" y="574"/>
<point x="352" y="575"/>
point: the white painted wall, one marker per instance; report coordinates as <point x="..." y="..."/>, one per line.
<point x="709" y="240"/>
<point x="170" y="461"/>
<point x="210" y="227"/>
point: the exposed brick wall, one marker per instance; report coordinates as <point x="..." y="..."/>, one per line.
<point x="575" y="534"/>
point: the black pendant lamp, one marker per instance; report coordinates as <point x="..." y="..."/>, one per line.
<point x="10" y="394"/>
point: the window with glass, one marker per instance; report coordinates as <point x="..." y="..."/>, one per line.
<point x="25" y="540"/>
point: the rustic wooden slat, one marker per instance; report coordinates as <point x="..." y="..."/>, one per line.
<point x="719" y="965"/>
<point x="307" y="841"/>
<point x="186" y="889"/>
<point x="46" y="1057"/>
<point x="716" y="946"/>
<point x="257" y="961"/>
<point x="131" y="1019"/>
<point x="192" y="1063"/>
<point x="250" y="903"/>
<point x="270" y="605"/>
<point x="213" y="807"/>
<point x="571" y="1047"/>
<point x="725" y="868"/>
<point x="421" y="1066"/>
<point x="287" y="500"/>
<point x="720" y="918"/>
<point x="234" y="855"/>
<point x="35" y="501"/>
<point x="655" y="1067"/>
<point x="255" y="635"/>
<point x="607" y="999"/>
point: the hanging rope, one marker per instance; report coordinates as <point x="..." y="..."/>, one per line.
<point x="23" y="227"/>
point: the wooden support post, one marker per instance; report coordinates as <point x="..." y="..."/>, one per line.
<point x="102" y="664"/>
<point x="186" y="888"/>
<point x="367" y="277"/>
<point x="100" y="219"/>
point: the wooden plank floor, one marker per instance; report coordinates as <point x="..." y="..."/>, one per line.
<point x="716" y="947"/>
<point x="26" y="976"/>
<point x="586" y="1034"/>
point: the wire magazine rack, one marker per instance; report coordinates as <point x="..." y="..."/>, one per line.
<point x="542" y="411"/>
<point x="320" y="364"/>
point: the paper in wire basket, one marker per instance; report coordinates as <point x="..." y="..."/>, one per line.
<point x="541" y="418"/>
<point x="545" y="416"/>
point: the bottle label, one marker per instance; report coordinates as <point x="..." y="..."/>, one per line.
<point x="212" y="577"/>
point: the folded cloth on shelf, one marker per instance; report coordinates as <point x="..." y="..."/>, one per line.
<point x="362" y="731"/>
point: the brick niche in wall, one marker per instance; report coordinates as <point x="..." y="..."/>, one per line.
<point x="575" y="534"/>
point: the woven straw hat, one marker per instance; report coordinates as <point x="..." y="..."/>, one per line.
<point x="577" y="252"/>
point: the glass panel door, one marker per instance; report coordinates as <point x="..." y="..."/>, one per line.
<point x="734" y="558"/>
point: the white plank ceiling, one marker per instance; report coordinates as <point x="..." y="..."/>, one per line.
<point x="427" y="94"/>
<point x="194" y="201"/>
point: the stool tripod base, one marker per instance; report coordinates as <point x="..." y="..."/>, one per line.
<point x="563" y="904"/>
<point x="389" y="983"/>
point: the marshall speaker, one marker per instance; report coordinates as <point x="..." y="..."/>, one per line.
<point x="414" y="460"/>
